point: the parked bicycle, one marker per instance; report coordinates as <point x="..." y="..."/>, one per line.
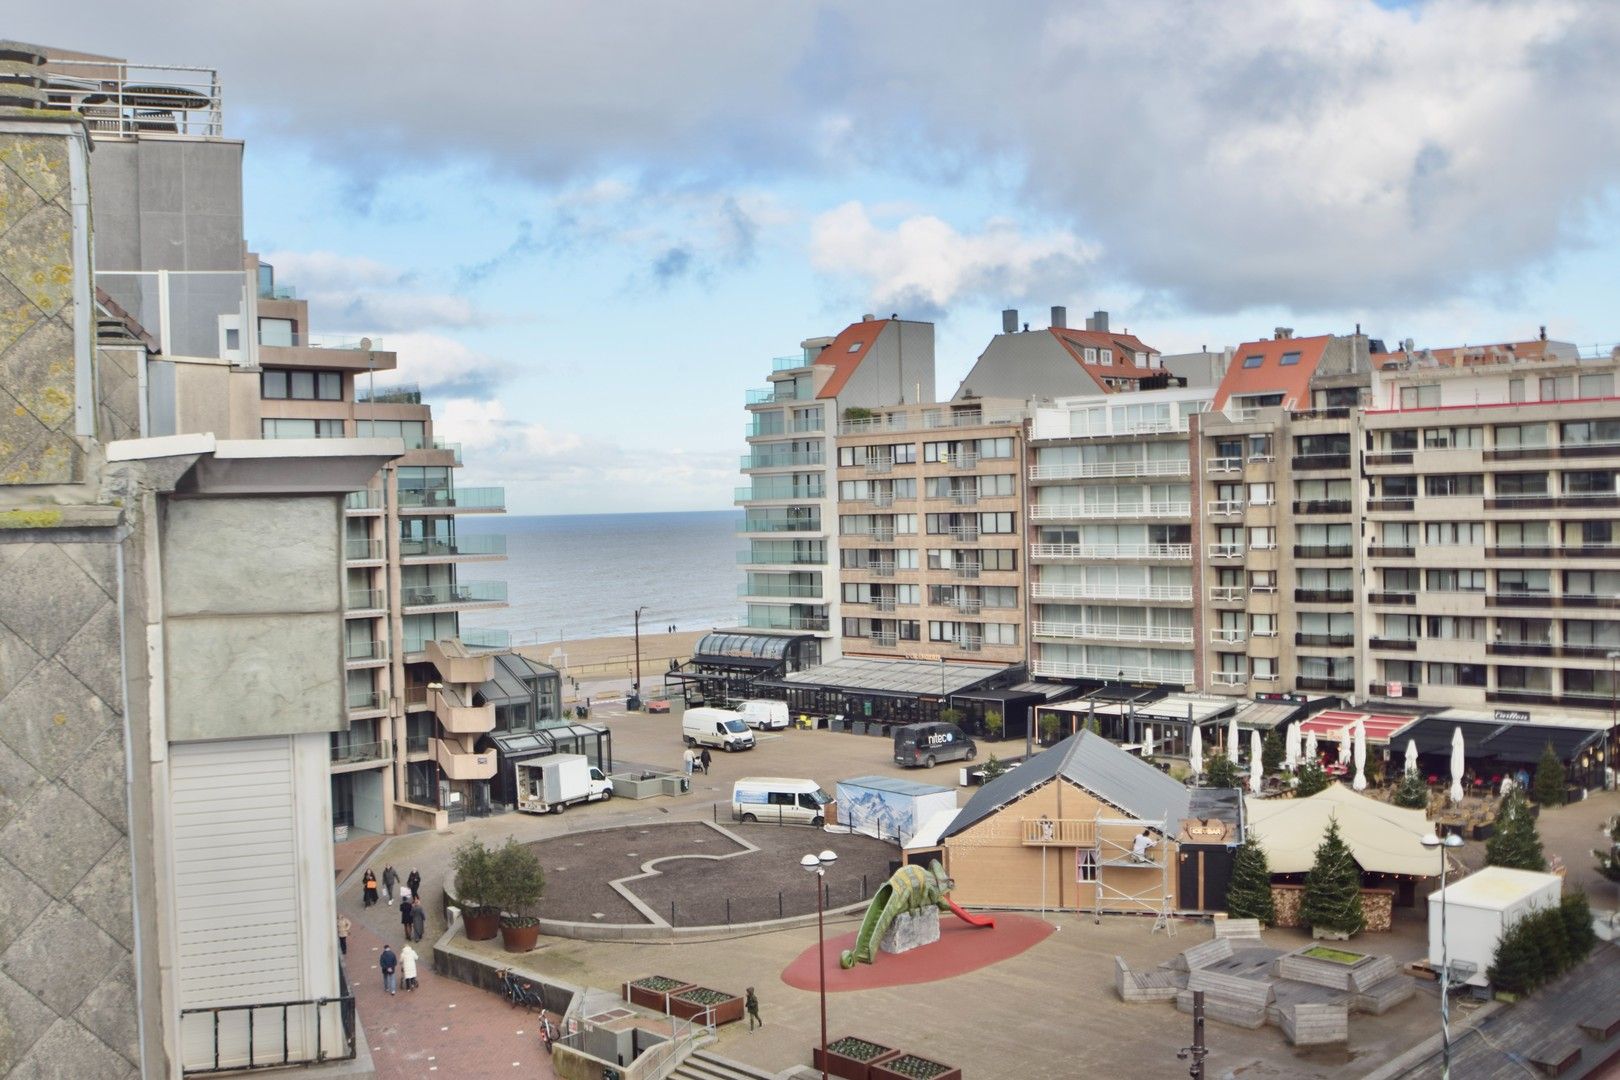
<point x="520" y="991"/>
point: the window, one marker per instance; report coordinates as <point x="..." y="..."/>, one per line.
<point x="275" y="332"/>
<point x="1426" y="396"/>
<point x="1515" y="436"/>
<point x="301" y="429"/>
<point x="1262" y="625"/>
<point x="1521" y="534"/>
<point x="1455" y="627"/>
<point x="1457" y="674"/>
<point x="1262" y="494"/>
<point x="1288" y="359"/>
<point x="1597" y="384"/>
<point x="1521" y="483"/>
<point x="1523" y="581"/>
<point x="1001" y="633"/>
<point x="998" y="559"/>
<point x="1263" y="539"/>
<point x="1451" y="438"/>
<point x="273" y="384"/>
<point x="1557" y="388"/>
<point x="1253" y="361"/>
<point x="857" y="346"/>
<point x="1449" y="532"/>
<point x="1589" y="431"/>
<point x="1262" y="580"/>
<point x="1589" y="482"/>
<point x="1515" y="390"/>
<point x="1451" y="484"/>
<point x="1401" y="439"/>
<point x="1456" y="581"/>
<point x="1263" y="668"/>
<point x="1085" y="864"/>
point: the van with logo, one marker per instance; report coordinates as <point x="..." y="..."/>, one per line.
<point x="763" y="713"/>
<point x="780" y="799"/>
<point x="926" y="745"/>
<point x="720" y="728"/>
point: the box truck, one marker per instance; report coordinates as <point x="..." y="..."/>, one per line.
<point x="548" y="785"/>
<point x="1483" y="905"/>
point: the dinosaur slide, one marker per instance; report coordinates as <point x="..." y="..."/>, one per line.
<point x="911" y="888"/>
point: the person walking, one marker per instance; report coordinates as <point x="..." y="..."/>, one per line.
<point x="407" y="965"/>
<point x="388" y="962"/>
<point x="705" y="758"/>
<point x="389" y="879"/>
<point x="418" y="919"/>
<point x="688" y="760"/>
<point x="343" y="934"/>
<point x="405" y="910"/>
<point x="751" y="1003"/>
<point x="414" y="880"/>
<point x="406" y="892"/>
<point x="369" y="896"/>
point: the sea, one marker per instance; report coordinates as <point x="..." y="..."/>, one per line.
<point x="583" y="575"/>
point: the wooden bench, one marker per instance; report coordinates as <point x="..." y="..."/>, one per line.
<point x="1555" y="1056"/>
<point x="1227" y="998"/>
<point x="1602" y="1025"/>
<point x="1140" y="986"/>
<point x="1203" y="955"/>
<point x="1316" y="1024"/>
<point x="1238" y="929"/>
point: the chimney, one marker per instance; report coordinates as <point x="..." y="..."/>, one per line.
<point x="1543" y="333"/>
<point x="1026" y="328"/>
<point x="1060" y="318"/>
<point x="1098" y="322"/>
<point x="867" y="318"/>
<point x="1284" y="333"/>
<point x="1009" y="321"/>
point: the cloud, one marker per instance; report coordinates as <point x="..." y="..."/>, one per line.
<point x="361" y="295"/>
<point x="672" y="265"/>
<point x="921" y="265"/>
<point x="443" y="367"/>
<point x="523" y="245"/>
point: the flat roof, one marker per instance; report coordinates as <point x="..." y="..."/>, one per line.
<point x="896" y="677"/>
<point x="1509" y="741"/>
<point x="897" y="786"/>
<point x="1497" y="887"/>
<point x="1199" y="707"/>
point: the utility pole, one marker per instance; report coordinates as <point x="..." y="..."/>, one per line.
<point x="639" y="610"/>
<point x="1197" y="1050"/>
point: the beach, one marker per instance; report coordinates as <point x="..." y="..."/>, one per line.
<point x="595" y="660"/>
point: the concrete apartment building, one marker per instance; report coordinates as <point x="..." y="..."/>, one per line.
<point x="790" y="579"/>
<point x="1062" y="361"/>
<point x="169" y="694"/>
<point x="233" y="353"/>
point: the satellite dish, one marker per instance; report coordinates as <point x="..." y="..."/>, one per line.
<point x="365" y="343"/>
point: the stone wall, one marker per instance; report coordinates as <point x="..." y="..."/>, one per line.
<point x="1377" y="906"/>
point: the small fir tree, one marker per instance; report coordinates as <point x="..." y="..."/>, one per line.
<point x="1219" y="772"/>
<point x="1516" y="965"/>
<point x="1333" y="887"/>
<point x="993" y="768"/>
<point x="1272" y="752"/>
<point x="994" y="724"/>
<point x="1515" y="844"/>
<point x="1312" y="779"/>
<point x="1608" y="859"/>
<point x="1249" y="894"/>
<point x="1547" y="930"/>
<point x="1548" y="786"/>
<point x="1578" y="933"/>
<point x="1049" y="728"/>
<point x="1412" y="792"/>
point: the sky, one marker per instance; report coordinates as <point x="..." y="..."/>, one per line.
<point x="587" y="228"/>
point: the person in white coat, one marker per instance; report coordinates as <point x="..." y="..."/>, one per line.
<point x="407" y="966"/>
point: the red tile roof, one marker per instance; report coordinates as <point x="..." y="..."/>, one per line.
<point x="1269" y="375"/>
<point x="847" y="351"/>
<point x="1124" y="347"/>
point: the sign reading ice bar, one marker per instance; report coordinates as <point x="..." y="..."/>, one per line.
<point x="1511" y="716"/>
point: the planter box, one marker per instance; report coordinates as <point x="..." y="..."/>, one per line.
<point x="904" y="1067"/>
<point x="726" y="1011"/>
<point x="652" y="998"/>
<point x="1322" y="934"/>
<point x="848" y="1067"/>
<point x="519" y="939"/>
<point x="481" y="927"/>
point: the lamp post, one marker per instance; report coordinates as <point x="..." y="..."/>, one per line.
<point x="817" y="865"/>
<point x="1613" y="657"/>
<point x="637" y="617"/>
<point x="1440" y="844"/>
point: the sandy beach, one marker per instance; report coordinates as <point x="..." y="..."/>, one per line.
<point x="598" y="659"/>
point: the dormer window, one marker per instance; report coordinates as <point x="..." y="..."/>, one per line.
<point x="1108" y="357"/>
<point x="1091" y="356"/>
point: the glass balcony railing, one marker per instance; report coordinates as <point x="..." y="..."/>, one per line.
<point x="486" y="639"/>
<point x="398" y="394"/>
<point x="473" y="498"/>
<point x="363" y="500"/>
<point x="770" y="525"/>
<point x="364" y="600"/>
<point x="777" y="589"/>
<point x="357" y="752"/>
<point x="765" y="458"/>
<point x="361" y="700"/>
<point x="365" y="650"/>
<point x="770" y="395"/>
<point x="428" y="547"/>
<point x="752" y="494"/>
<point x="356" y="549"/>
<point x="441" y="444"/>
<point x="466" y="592"/>
<point x="788" y="363"/>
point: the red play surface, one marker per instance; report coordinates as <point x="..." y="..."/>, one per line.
<point x="959" y="950"/>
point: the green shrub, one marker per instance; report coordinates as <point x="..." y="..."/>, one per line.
<point x="475" y="881"/>
<point x="1333" y="887"/>
<point x="993" y="768"/>
<point x="1577" y="915"/>
<point x="1542" y="946"/>
<point x="1219" y="772"/>
<point x="1249" y="894"/>
<point x="1516" y="965"/>
<point x="1312" y="779"/>
<point x="1412" y="792"/>
<point x="994" y="723"/>
<point x="1049" y="727"/>
<point x="1515" y="844"/>
<point x="1272" y="752"/>
<point x="518" y="881"/>
<point x="1548" y="786"/>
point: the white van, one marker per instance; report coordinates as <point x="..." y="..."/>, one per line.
<point x="765" y="714"/>
<point x="716" y="727"/>
<point x="775" y="799"/>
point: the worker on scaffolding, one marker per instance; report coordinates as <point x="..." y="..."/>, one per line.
<point x="1140" y="847"/>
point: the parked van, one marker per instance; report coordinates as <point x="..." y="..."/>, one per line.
<point x="765" y="714"/>
<point x="716" y="727"/>
<point x="928" y="744"/>
<point x="780" y="799"/>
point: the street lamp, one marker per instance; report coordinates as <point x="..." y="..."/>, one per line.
<point x="817" y="865"/>
<point x="1440" y="844"/>
<point x="637" y="617"/>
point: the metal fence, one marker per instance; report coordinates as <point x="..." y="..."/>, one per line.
<point x="267" y="1035"/>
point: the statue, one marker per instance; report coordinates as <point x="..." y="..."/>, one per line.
<point x="910" y="889"/>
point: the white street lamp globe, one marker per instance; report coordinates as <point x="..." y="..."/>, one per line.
<point x="810" y="863"/>
<point x="828" y="857"/>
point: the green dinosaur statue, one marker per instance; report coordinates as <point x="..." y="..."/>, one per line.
<point x="910" y="889"/>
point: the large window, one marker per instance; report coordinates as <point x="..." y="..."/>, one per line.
<point x="1454" y="484"/>
<point x="1420" y="397"/>
<point x="282" y="384"/>
<point x="413" y="432"/>
<point x="1589" y="431"/>
<point x="290" y="428"/>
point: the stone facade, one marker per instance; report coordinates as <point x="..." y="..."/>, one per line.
<point x="912" y="930"/>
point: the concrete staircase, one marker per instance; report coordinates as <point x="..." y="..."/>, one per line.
<point x="703" y="1065"/>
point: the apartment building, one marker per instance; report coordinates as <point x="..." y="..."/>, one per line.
<point x="1062" y="361"/>
<point x="1491" y="541"/>
<point x="1110" y="555"/>
<point x="790" y="584"/>
<point x="230" y="350"/>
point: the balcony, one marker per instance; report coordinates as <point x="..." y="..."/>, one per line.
<point x="1227" y="594"/>
<point x="1173" y="552"/>
<point x="457" y="714"/>
<point x="867" y="424"/>
<point x="766" y="458"/>
<point x="1223" y="635"/>
<point x="965" y="498"/>
<point x="1107" y="469"/>
<point x="1392" y="598"/>
<point x="1325" y="641"/>
<point x="1113" y="632"/>
<point x="886" y="638"/>
<point x="1226" y="551"/>
<point x="1322" y="596"/>
<point x="360" y="654"/>
<point x="1225" y="507"/>
<point x="881" y="568"/>
<point x="1393" y="644"/>
<point x="363" y="502"/>
<point x="1109" y="591"/>
<point x="1584" y="501"/>
<point x="425" y="549"/>
<point x="463" y="595"/>
<point x="1402" y="505"/>
<point x="963" y="459"/>
<point x="475" y="638"/>
<point x="780" y="590"/>
<point x="1401" y="689"/>
<point x="1387" y="457"/>
<point x="1071" y="511"/>
<point x="968" y="642"/>
<point x="1224" y="465"/>
<point x="458" y="763"/>
<point x="789" y="363"/>
<point x="1056" y="669"/>
<point x="1522" y="598"/>
<point x="459" y="500"/>
<point x="966" y="605"/>
<point x="357" y="550"/>
<point x="779" y="525"/>
<point x="764" y="493"/>
<point x="1523" y="552"/>
<point x="364" y="600"/>
<point x="1060" y="832"/>
<point x="1532" y="648"/>
<point x="775" y="394"/>
<point x="757" y="556"/>
<point x="792" y="622"/>
<point x="882" y="499"/>
<point x="1322" y="551"/>
<point x="1229" y="678"/>
<point x="418" y="743"/>
<point x="1387" y="551"/>
<point x="358" y="755"/>
<point x="965" y="571"/>
<point x="361" y="702"/>
<point x="1321" y="506"/>
<point x="883" y="603"/>
<point x="879" y="465"/>
<point x="964" y="532"/>
<point x="1311" y="462"/>
<point x="1520" y="696"/>
<point x="877" y="534"/>
<point x="451" y="448"/>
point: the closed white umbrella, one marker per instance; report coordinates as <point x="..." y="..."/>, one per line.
<point x="1257" y="768"/>
<point x="1291" y="746"/>
<point x="1456" y="764"/>
<point x="1310" y="746"/>
<point x="1411" y="755"/>
<point x="1197" y="754"/>
<point x="1360" y="782"/>
<point x="1233" y="750"/>
<point x="1344" y="745"/>
<point x="1147" y="741"/>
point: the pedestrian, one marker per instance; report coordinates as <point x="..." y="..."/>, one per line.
<point x="414" y="880"/>
<point x="390" y="879"/>
<point x="751" y="1003"/>
<point x="370" y="894"/>
<point x="343" y="934"/>
<point x="407" y="965"/>
<point x="405" y="909"/>
<point x="688" y="759"/>
<point x="418" y="919"/>
<point x="706" y="759"/>
<point x="388" y="962"/>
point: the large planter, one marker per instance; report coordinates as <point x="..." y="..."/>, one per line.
<point x="852" y="1058"/>
<point x="520" y="938"/>
<point x="698" y="1002"/>
<point x="1322" y="933"/>
<point x="481" y="926"/>
<point x="913" y="1067"/>
<point x="652" y="992"/>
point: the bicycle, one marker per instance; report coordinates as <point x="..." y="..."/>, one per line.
<point x="520" y="991"/>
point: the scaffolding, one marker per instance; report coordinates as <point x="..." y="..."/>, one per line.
<point x="1128" y="890"/>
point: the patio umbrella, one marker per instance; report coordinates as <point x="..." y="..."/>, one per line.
<point x="1233" y="749"/>
<point x="1360" y="782"/>
<point x="1456" y="764"/>
<point x="1344" y="745"/>
<point x="1196" y="756"/>
<point x="1310" y="746"/>
<point x="1147" y="741"/>
<point x="1291" y="746"/>
<point x="1257" y="768"/>
<point x="1411" y="755"/>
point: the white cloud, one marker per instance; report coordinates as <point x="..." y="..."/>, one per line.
<point x="924" y="264"/>
<point x="357" y="294"/>
<point x="441" y="365"/>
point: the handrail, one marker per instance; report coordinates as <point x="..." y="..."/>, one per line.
<point x="218" y="1061"/>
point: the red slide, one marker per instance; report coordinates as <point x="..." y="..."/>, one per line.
<point x="968" y="917"/>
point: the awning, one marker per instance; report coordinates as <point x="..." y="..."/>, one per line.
<point x="744" y="650"/>
<point x="1518" y="743"/>
<point x="1331" y="724"/>
<point x="1384" y="838"/>
<point x="1023" y="693"/>
<point x="890" y="678"/>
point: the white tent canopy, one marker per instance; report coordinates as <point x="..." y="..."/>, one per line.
<point x="1384" y="839"/>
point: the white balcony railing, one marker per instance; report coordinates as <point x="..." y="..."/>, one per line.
<point x="1063" y="590"/>
<point x="1225" y="507"/>
<point x="1113" y="632"/>
<point x="1066" y="511"/>
<point x="1229" y="678"/>
<point x="1225" y="464"/>
<point x="1110" y="551"/>
<point x="1226" y="594"/>
<point x="1222" y="635"/>
<point x="1057" y="669"/>
<point x="1226" y="551"/>
<point x="1089" y="470"/>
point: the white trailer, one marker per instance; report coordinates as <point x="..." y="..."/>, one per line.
<point x="1481" y="906"/>
<point x="550" y="784"/>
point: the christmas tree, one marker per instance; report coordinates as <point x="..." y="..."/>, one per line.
<point x="1272" y="752"/>
<point x="1312" y="779"/>
<point x="1515" y="843"/>
<point x="1333" y="887"/>
<point x="1517" y="965"/>
<point x="1548" y="786"/>
<point x="1412" y="792"/>
<point x="1608" y="859"/>
<point x="1219" y="772"/>
<point x="1249" y="894"/>
<point x="1578" y="932"/>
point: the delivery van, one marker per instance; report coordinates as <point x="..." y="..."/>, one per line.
<point x="765" y="714"/>
<point x="550" y="784"/>
<point x="778" y="799"/>
<point x="928" y="744"/>
<point x="720" y="728"/>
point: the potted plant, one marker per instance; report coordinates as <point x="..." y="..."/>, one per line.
<point x="653" y="991"/>
<point x="698" y="1002"/>
<point x="475" y="891"/>
<point x="994" y="725"/>
<point x="519" y="883"/>
<point x="1049" y="729"/>
<point x="913" y="1067"/>
<point x="852" y="1058"/>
